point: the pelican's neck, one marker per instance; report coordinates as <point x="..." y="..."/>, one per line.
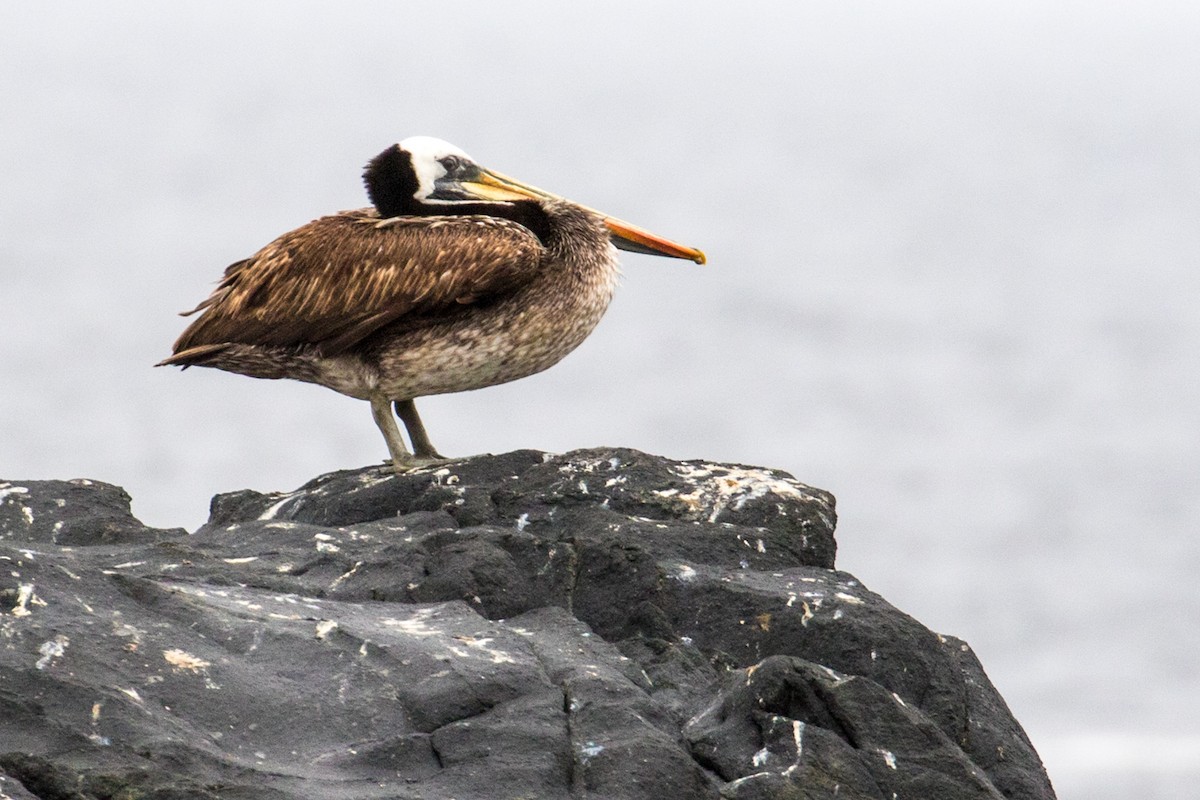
<point x="575" y="236"/>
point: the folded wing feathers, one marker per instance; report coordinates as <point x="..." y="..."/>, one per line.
<point x="335" y="281"/>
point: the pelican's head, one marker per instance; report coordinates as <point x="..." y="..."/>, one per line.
<point x="423" y="175"/>
<point x="440" y="169"/>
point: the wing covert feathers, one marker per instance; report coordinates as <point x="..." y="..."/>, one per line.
<point x="337" y="280"/>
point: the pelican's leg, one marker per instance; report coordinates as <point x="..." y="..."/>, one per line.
<point x="422" y="447"/>
<point x="381" y="409"/>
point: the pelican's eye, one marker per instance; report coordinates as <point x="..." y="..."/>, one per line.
<point x="454" y="165"/>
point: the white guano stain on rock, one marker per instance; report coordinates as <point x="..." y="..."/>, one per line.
<point x="458" y="645"/>
<point x="181" y="660"/>
<point x="481" y="646"/>
<point x="325" y="543"/>
<point x="347" y="574"/>
<point x="7" y="490"/>
<point x="719" y="488"/>
<point x="837" y="676"/>
<point x="55" y="648"/>
<point x="751" y="778"/>
<point x="589" y="751"/>
<point x="686" y="573"/>
<point x="277" y="506"/>
<point x="26" y="598"/>
<point x="417" y="625"/>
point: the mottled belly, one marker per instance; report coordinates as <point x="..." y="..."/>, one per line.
<point x="486" y="347"/>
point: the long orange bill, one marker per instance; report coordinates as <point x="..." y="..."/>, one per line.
<point x="638" y="240"/>
<point x="494" y="186"/>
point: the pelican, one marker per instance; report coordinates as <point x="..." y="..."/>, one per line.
<point x="455" y="278"/>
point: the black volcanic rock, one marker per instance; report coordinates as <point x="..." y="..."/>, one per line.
<point x="604" y="623"/>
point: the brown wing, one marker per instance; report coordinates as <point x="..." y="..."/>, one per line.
<point x="338" y="279"/>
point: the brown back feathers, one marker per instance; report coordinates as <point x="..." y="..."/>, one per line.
<point x="336" y="281"/>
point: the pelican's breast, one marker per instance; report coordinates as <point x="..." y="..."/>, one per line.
<point x="517" y="336"/>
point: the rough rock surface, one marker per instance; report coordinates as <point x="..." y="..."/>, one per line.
<point x="604" y="623"/>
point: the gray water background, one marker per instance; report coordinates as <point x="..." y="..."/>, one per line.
<point x="953" y="279"/>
